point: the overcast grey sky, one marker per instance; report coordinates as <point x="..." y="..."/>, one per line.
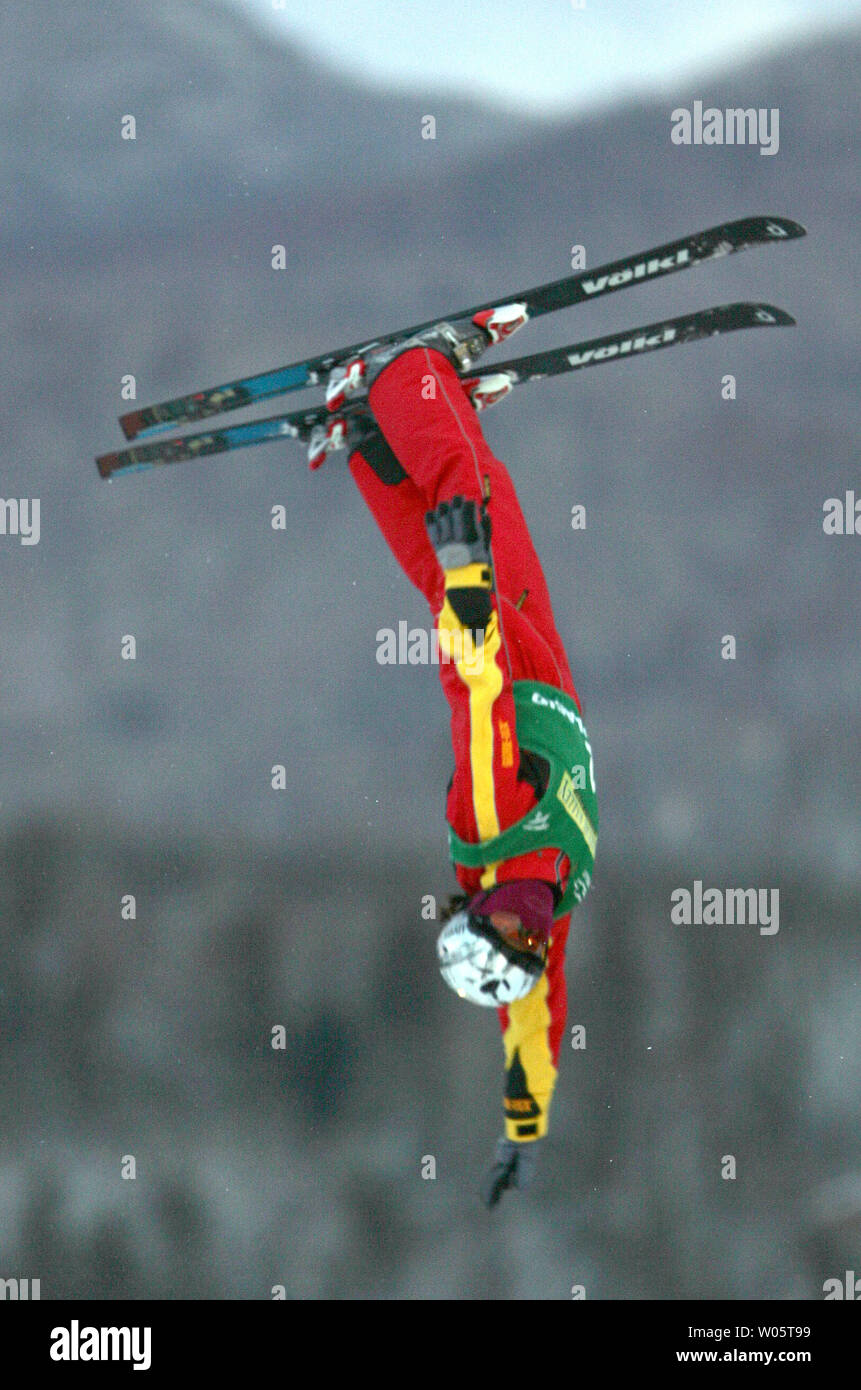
<point x="545" y="55"/>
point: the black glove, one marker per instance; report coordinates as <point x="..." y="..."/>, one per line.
<point x="460" y="534"/>
<point x="514" y="1165"/>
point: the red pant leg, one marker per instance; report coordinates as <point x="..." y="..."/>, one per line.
<point x="399" y="510"/>
<point x="433" y="430"/>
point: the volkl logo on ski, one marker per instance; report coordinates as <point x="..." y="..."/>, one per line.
<point x="627" y="345"/>
<point x="641" y="271"/>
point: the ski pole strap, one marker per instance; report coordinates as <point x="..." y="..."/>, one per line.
<point x="566" y="818"/>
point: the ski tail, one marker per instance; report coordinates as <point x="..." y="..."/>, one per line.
<point x="722" y="240"/>
<point x="297" y="425"/>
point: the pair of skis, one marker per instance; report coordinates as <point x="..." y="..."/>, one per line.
<point x="484" y="387"/>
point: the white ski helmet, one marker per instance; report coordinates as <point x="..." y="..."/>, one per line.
<point x="489" y="960"/>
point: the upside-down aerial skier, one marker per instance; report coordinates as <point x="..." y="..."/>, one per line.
<point x="521" y="809"/>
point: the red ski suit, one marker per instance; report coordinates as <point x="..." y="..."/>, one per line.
<point x="432" y="429"/>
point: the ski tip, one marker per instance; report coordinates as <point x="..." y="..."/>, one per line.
<point x="749" y="314"/>
<point x="783" y="228"/>
<point x="131" y="424"/>
<point x="771" y="316"/>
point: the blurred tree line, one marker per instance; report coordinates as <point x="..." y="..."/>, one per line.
<point x="300" y="1166"/>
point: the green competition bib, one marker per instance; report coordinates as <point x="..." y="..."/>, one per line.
<point x="566" y="817"/>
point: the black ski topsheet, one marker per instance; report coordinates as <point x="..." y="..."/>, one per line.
<point x="586" y="285"/>
<point x="630" y="342"/>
